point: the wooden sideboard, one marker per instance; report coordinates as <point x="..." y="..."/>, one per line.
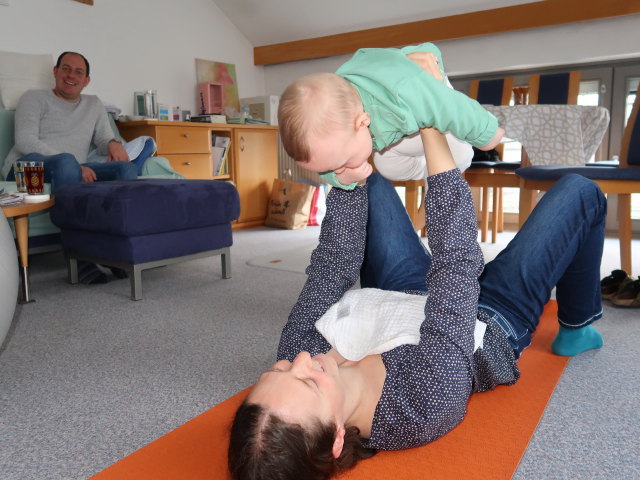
<point x="252" y="161"/>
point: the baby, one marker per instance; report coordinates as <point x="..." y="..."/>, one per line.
<point x="330" y="123"/>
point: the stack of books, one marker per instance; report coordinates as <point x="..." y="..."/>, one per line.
<point x="219" y="154"/>
<point x="209" y="118"/>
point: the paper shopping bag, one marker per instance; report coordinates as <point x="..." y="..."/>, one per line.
<point x="289" y="204"/>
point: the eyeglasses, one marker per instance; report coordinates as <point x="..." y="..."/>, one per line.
<point x="67" y="69"/>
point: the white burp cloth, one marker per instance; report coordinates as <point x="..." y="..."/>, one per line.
<point x="370" y="321"/>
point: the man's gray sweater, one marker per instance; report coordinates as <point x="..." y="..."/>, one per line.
<point x="49" y="125"/>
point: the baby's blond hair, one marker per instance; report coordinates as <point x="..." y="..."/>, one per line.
<point x="315" y="105"/>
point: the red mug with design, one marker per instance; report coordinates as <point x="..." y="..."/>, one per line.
<point x="34" y="177"/>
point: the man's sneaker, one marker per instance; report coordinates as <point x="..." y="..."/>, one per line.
<point x="119" y="272"/>
<point x="628" y="296"/>
<point x="611" y="285"/>
<point x="90" y="274"/>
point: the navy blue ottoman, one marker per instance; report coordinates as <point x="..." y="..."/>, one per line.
<point x="145" y="223"/>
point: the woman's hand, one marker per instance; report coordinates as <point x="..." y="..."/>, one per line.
<point x="428" y="62"/>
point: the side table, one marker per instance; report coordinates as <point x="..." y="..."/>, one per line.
<point x="20" y="214"/>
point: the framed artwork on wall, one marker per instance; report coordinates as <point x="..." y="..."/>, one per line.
<point x="224" y="74"/>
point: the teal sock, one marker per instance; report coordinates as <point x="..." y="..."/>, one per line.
<point x="569" y="343"/>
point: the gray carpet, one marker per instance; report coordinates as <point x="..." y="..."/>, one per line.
<point x="88" y="376"/>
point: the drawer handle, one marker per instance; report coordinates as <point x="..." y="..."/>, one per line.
<point x="242" y="144"/>
<point x="187" y="163"/>
<point x="185" y="135"/>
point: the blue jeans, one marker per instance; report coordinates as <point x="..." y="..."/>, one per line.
<point x="560" y="245"/>
<point x="63" y="169"/>
<point x="394" y="257"/>
<point x="148" y="150"/>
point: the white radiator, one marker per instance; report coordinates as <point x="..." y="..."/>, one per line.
<point x="289" y="169"/>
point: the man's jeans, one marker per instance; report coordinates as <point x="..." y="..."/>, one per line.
<point x="559" y="246"/>
<point x="63" y="169"/>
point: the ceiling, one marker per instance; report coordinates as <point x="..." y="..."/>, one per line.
<point x="265" y="22"/>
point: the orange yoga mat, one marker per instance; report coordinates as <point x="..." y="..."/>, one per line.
<point x="487" y="444"/>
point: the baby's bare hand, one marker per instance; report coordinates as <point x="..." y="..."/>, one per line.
<point x="358" y="174"/>
<point x="428" y="62"/>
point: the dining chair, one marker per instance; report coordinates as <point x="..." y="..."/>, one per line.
<point x="414" y="202"/>
<point x="622" y="180"/>
<point x="481" y="173"/>
<point x="548" y="89"/>
<point x="554" y="88"/>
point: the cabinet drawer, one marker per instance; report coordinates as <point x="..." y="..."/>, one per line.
<point x="191" y="166"/>
<point x="182" y="140"/>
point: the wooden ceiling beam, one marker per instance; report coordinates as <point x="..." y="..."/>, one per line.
<point x="498" y="20"/>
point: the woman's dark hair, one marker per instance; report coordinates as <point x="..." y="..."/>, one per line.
<point x="265" y="447"/>
<point x="86" y="62"/>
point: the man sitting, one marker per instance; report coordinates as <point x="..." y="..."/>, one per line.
<point x="58" y="127"/>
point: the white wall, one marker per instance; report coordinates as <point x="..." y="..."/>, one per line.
<point x="134" y="44"/>
<point x="616" y="38"/>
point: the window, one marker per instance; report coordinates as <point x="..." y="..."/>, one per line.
<point x="630" y="98"/>
<point x="589" y="94"/>
<point x="632" y="87"/>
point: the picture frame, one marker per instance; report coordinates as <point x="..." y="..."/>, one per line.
<point x="223" y="74"/>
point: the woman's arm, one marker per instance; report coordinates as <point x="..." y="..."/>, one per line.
<point x="431" y="382"/>
<point x="437" y="152"/>
<point x="334" y="269"/>
<point x="456" y="257"/>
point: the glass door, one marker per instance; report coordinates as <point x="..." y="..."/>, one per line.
<point x="626" y="79"/>
<point x="596" y="86"/>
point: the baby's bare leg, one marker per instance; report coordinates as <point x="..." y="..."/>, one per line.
<point x="494" y="142"/>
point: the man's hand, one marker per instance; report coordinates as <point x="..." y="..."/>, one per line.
<point x="347" y="176"/>
<point x="428" y="62"/>
<point x="117" y="153"/>
<point x="88" y="175"/>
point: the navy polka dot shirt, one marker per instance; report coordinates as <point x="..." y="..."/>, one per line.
<point x="427" y="386"/>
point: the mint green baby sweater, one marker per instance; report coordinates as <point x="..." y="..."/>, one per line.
<point x="402" y="98"/>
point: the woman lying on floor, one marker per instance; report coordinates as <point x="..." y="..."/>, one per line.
<point x="350" y="379"/>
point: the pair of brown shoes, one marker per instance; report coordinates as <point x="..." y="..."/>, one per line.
<point x="620" y="289"/>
